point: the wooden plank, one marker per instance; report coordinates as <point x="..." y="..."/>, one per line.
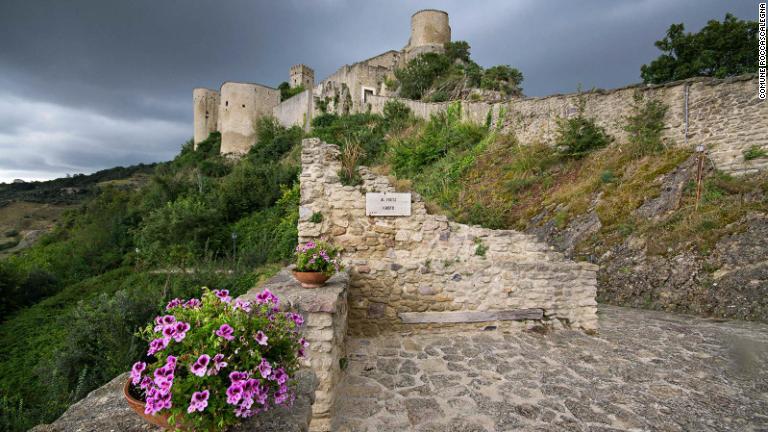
<point x="470" y="316"/>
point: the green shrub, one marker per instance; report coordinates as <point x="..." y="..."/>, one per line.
<point x="644" y="125"/>
<point x="286" y="92"/>
<point x="503" y="78"/>
<point x="578" y="136"/>
<point x="420" y="73"/>
<point x="274" y="140"/>
<point x="316" y="217"/>
<point x="755" y="152"/>
<point x="368" y="130"/>
<point x="443" y="133"/>
<point x="396" y="115"/>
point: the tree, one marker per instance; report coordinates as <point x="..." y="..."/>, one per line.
<point x="503" y="78"/>
<point x="719" y="50"/>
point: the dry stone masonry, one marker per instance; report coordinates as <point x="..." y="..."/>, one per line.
<point x="423" y="268"/>
<point x="325" y="327"/>
<point x="723" y="115"/>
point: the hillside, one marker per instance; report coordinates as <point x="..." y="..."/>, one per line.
<point x="29" y="210"/>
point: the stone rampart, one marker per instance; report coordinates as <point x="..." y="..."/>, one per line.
<point x="296" y="111"/>
<point x="723" y="115"/>
<point x="424" y="263"/>
<point x="206" y="113"/>
<point x="240" y="107"/>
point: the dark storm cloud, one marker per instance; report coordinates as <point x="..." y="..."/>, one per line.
<point x="85" y="85"/>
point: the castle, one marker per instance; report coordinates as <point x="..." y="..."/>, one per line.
<point x="234" y="110"/>
<point x="723" y="116"/>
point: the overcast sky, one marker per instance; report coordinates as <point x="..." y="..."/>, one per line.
<point x="87" y="85"/>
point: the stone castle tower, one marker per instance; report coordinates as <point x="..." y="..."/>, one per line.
<point x="302" y="75"/>
<point x="430" y="32"/>
<point x="206" y="112"/>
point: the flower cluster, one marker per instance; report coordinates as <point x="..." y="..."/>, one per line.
<point x="318" y="257"/>
<point x="217" y="360"/>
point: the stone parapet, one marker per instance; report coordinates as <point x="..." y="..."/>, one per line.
<point x="325" y="326"/>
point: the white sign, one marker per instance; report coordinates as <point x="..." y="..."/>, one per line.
<point x="387" y="204"/>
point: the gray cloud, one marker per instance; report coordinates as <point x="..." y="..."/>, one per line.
<point x="89" y="84"/>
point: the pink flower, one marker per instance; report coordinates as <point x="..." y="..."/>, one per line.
<point x="296" y="318"/>
<point x="218" y="364"/>
<point x="225" y="331"/>
<point x="201" y="365"/>
<point x="266" y="296"/>
<point x="265" y="368"/>
<point x="242" y="304"/>
<point x="180" y="331"/>
<point x="157" y="345"/>
<point x="198" y="402"/>
<point x="173" y="303"/>
<point x="235" y="393"/>
<point x="261" y="338"/>
<point x="223" y="295"/>
<point x="193" y="304"/>
<point x="236" y="376"/>
<point x="136" y="371"/>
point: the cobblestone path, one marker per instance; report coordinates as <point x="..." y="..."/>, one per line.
<point x="645" y="371"/>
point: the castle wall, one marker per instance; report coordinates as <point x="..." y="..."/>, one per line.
<point x="296" y="110"/>
<point x="240" y="107"/>
<point x="206" y="112"/>
<point x="723" y="115"/>
<point x="424" y="263"/>
<point x="356" y="78"/>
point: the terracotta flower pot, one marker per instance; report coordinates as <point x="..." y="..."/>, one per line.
<point x="311" y="279"/>
<point x="138" y="406"/>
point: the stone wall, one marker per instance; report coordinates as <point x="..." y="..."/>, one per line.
<point x="205" y="112"/>
<point x="240" y="106"/>
<point x="352" y="79"/>
<point x="296" y="111"/>
<point x="424" y="263"/>
<point x="723" y="115"/>
<point x="325" y="327"/>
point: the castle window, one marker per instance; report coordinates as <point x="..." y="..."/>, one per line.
<point x="226" y="103"/>
<point x="243" y="105"/>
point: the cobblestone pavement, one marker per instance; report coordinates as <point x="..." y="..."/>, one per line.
<point x="645" y="371"/>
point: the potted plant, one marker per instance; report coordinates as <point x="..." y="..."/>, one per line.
<point x="215" y="361"/>
<point x="315" y="263"/>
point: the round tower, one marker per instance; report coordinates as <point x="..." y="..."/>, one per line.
<point x="206" y="112"/>
<point x="429" y="30"/>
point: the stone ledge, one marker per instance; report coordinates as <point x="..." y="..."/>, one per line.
<point x="470" y="316"/>
<point x="293" y="295"/>
<point x="105" y="409"/>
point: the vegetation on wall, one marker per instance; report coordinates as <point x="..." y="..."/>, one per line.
<point x="286" y="92"/>
<point x="439" y="77"/>
<point x="720" y="49"/>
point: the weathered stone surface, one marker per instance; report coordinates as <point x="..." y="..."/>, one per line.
<point x="645" y="371"/>
<point x="105" y="409"/>
<point x="425" y="263"/>
<point x="731" y="282"/>
<point x="471" y="316"/>
<point x="325" y="327"/>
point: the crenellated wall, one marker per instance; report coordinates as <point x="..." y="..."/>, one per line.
<point x="724" y="115"/>
<point x="424" y="263"/>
